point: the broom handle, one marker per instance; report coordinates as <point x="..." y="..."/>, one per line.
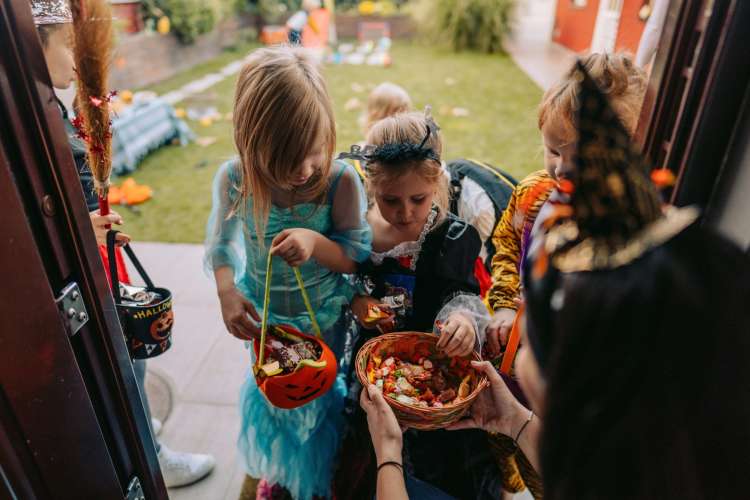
<point x="513" y="341"/>
<point x="104" y="209"/>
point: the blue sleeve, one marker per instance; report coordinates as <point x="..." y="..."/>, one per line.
<point x="349" y="211"/>
<point x="224" y="236"/>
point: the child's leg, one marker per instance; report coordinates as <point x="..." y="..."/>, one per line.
<point x="249" y="489"/>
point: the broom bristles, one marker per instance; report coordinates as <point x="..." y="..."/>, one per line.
<point x="93" y="37"/>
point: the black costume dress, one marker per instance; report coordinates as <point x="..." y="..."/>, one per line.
<point x="424" y="280"/>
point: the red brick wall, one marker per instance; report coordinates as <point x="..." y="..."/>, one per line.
<point x="631" y="27"/>
<point x="574" y="26"/>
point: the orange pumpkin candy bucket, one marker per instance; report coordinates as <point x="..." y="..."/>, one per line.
<point x="310" y="378"/>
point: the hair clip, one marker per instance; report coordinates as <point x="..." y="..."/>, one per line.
<point x="432" y="126"/>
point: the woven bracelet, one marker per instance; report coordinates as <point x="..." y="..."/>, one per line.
<point x="523" y="427"/>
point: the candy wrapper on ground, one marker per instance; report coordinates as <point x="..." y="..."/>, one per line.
<point x="426" y="389"/>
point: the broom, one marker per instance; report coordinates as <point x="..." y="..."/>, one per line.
<point x="93" y="38"/>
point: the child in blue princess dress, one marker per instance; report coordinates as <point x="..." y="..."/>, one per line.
<point x="285" y="196"/>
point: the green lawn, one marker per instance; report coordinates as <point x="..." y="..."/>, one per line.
<point x="500" y="128"/>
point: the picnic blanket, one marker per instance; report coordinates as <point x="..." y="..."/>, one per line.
<point x="141" y="128"/>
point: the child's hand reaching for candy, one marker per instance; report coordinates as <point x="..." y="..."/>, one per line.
<point x="457" y="335"/>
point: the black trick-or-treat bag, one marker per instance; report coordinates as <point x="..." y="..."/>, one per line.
<point x="145" y="312"/>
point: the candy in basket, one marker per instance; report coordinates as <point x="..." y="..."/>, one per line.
<point x="426" y="389"/>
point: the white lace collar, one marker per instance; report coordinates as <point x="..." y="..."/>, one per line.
<point x="408" y="248"/>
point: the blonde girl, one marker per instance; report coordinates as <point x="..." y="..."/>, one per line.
<point x="285" y="196"/>
<point x="421" y="270"/>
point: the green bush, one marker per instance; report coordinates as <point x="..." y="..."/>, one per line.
<point x="188" y="18"/>
<point x="480" y="25"/>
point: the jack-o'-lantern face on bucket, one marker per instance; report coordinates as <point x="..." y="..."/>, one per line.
<point x="162" y="326"/>
<point x="302" y="386"/>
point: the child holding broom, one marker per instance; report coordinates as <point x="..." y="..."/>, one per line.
<point x="284" y="196"/>
<point x="54" y="19"/>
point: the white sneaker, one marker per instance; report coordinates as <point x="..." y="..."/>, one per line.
<point x="181" y="469"/>
<point x="156" y="426"/>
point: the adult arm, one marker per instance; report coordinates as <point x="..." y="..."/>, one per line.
<point x="388" y="443"/>
<point x="496" y="410"/>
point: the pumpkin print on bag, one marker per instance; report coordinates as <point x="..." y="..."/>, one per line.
<point x="162" y="326"/>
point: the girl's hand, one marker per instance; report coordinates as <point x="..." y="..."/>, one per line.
<point x="100" y="223"/>
<point x="236" y="311"/>
<point x="384" y="429"/>
<point x="361" y="306"/>
<point x="499" y="328"/>
<point x="295" y="246"/>
<point x="457" y="336"/>
<point x="495" y="409"/>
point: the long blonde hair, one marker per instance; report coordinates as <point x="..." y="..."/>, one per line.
<point x="409" y="128"/>
<point x="282" y="111"/>
<point x="617" y="76"/>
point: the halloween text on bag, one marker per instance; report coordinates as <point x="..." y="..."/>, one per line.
<point x="153" y="311"/>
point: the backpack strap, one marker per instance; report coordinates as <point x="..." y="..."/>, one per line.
<point x="456" y="177"/>
<point x="498" y="186"/>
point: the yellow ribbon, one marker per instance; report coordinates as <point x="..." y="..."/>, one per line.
<point x="266" y="304"/>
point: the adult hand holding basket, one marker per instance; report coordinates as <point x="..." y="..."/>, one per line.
<point x="416" y="346"/>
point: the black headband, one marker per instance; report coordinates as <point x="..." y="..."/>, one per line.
<point x="396" y="153"/>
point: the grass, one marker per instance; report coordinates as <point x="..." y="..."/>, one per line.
<point x="500" y="128"/>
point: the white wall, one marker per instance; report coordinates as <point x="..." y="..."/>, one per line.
<point x="534" y="19"/>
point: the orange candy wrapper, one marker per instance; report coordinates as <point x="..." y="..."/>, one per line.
<point x="375" y="313"/>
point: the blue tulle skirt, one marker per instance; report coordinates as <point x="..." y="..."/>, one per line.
<point x="294" y="448"/>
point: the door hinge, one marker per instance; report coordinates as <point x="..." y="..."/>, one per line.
<point x="70" y="303"/>
<point x="135" y="491"/>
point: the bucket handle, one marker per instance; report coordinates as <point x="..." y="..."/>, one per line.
<point x="266" y="303"/>
<point x="113" y="275"/>
<point x="513" y="341"/>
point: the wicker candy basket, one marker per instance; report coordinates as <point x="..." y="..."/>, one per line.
<point x="405" y="345"/>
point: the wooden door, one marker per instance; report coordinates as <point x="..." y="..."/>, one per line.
<point x="71" y="421"/>
<point x="695" y="98"/>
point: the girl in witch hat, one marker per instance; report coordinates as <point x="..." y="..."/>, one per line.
<point x="54" y="20"/>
